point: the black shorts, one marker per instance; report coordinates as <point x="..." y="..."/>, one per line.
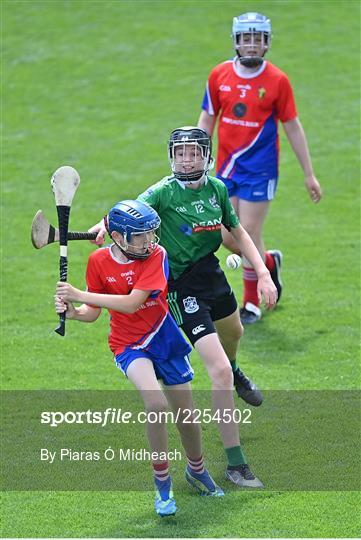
<point x="200" y="296"/>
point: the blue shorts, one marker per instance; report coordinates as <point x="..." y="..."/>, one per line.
<point x="249" y="190"/>
<point x="168" y="351"/>
<point x="175" y="370"/>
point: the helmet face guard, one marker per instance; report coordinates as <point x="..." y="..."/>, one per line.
<point x="140" y="244"/>
<point x="251" y="34"/>
<point x="189" y="153"/>
<point x="137" y="224"/>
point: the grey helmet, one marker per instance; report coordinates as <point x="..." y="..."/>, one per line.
<point x="251" y="23"/>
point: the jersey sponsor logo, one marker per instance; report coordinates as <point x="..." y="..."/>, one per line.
<point x="129" y="273"/>
<point x="198" y="329"/>
<point x="211" y="225"/>
<point x="244" y="123"/>
<point x="181" y="209"/>
<point x="215" y="221"/>
<point x="213" y="202"/>
<point x="225" y="88"/>
<point x="148" y="304"/>
<point x="111" y="279"/>
<point x="190" y="304"/>
<point x="208" y="228"/>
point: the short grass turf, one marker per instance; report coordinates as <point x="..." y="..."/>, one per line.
<point x="99" y="85"/>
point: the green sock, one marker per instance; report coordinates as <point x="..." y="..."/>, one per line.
<point x="234" y="365"/>
<point x="235" y="456"/>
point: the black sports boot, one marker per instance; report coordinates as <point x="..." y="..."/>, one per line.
<point x="276" y="272"/>
<point x="242" y="476"/>
<point x="250" y="313"/>
<point x="246" y="389"/>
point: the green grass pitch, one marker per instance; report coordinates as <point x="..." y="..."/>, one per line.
<point x="99" y="85"/>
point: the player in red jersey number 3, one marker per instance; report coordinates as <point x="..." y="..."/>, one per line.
<point x="248" y="96"/>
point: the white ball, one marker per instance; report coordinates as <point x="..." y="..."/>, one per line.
<point x="233" y="261"/>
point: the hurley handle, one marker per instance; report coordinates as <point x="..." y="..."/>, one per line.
<point x="63" y="220"/>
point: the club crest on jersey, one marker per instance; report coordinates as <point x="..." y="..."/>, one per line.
<point x="213" y="202"/>
<point x="190" y="304"/>
<point x="239" y="110"/>
<point x="261" y="92"/>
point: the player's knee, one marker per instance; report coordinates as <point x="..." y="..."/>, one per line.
<point x="254" y="230"/>
<point x="222" y="377"/>
<point x="239" y="331"/>
<point x="186" y="416"/>
<point x="233" y="335"/>
<point x="236" y="332"/>
<point x="156" y="404"/>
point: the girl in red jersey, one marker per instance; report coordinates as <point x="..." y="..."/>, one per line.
<point x="129" y="278"/>
<point x="249" y="96"/>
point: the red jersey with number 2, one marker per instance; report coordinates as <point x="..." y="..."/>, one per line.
<point x="106" y="275"/>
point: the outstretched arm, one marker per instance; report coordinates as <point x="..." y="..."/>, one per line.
<point x="125" y="303"/>
<point x="297" y="137"/>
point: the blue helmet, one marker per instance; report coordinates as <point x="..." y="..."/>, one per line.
<point x="251" y="23"/>
<point x="133" y="219"/>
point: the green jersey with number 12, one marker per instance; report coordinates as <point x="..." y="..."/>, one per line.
<point x="191" y="219"/>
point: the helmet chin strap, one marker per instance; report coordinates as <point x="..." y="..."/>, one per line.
<point x="189" y="177"/>
<point x="198" y="177"/>
<point x="250" y="61"/>
<point x="196" y="182"/>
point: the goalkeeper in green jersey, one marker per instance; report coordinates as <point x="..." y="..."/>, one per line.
<point x="193" y="206"/>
